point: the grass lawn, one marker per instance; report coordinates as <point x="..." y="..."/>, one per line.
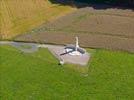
<point x="38" y="76"/>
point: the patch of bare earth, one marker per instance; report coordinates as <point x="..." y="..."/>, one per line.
<point x="86" y="40"/>
<point x="110" y="29"/>
<point x="106" y="24"/>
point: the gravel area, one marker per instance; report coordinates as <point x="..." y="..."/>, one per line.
<point x="59" y="52"/>
<point x="24" y="47"/>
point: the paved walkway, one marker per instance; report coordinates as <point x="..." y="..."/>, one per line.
<point x="25" y="47"/>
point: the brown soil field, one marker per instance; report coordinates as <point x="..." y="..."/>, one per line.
<point x="93" y="21"/>
<point x="86" y="40"/>
<point x="110" y="29"/>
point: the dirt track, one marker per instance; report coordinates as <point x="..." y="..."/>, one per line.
<point x="110" y="29"/>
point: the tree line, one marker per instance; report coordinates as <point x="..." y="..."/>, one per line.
<point x="119" y="2"/>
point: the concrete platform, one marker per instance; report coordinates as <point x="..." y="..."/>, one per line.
<point x="59" y="52"/>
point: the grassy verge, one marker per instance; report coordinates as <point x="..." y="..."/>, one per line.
<point x="38" y="76"/>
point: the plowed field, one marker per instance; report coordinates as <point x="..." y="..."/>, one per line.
<point x="111" y="28"/>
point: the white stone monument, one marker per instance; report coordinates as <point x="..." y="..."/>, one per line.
<point x="74" y="50"/>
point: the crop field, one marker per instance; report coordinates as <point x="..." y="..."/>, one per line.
<point x="19" y="16"/>
<point x="37" y="76"/>
<point x="118" y="23"/>
<point x="111" y="29"/>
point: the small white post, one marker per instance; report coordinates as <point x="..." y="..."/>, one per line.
<point x="77" y="44"/>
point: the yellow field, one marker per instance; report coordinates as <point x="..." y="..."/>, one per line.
<point x="18" y="16"/>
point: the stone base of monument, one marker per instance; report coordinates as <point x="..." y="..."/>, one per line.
<point x="64" y="57"/>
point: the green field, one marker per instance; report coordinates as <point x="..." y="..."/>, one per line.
<point x="38" y="76"/>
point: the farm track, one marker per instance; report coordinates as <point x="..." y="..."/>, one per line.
<point x="110" y="29"/>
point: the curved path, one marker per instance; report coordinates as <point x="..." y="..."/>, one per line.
<point x="25" y="47"/>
